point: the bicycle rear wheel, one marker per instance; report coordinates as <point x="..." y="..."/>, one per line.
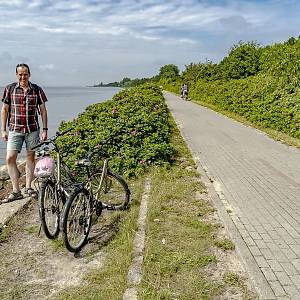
<point x="77" y="219"/>
<point x="49" y="209"/>
<point x="113" y="192"/>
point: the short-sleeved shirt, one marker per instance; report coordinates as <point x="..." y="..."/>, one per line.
<point x="184" y="87"/>
<point x="23" y="112"/>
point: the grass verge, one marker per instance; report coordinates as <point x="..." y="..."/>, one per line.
<point x="180" y="241"/>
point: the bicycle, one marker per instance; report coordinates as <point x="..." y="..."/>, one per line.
<point x="184" y="95"/>
<point x="53" y="189"/>
<point x="101" y="190"/>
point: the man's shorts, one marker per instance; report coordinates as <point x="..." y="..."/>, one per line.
<point x="16" y="139"/>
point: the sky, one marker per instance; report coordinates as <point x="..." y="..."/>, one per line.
<point x="85" y="42"/>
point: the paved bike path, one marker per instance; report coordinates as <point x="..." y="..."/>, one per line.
<point x="258" y="181"/>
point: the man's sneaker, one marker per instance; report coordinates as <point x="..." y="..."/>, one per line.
<point x="13" y="196"/>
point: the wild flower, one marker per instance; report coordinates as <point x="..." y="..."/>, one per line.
<point x="133" y="132"/>
<point x="114" y="110"/>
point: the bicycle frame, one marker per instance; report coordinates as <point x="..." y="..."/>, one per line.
<point x="103" y="175"/>
<point x="58" y="180"/>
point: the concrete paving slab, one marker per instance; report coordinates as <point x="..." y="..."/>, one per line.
<point x="8" y="210"/>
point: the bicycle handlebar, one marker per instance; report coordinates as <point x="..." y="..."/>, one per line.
<point x="98" y="150"/>
<point x="63" y="132"/>
<point x="52" y="139"/>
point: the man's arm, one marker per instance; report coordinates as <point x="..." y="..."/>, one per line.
<point x="4" y="115"/>
<point x="44" y="116"/>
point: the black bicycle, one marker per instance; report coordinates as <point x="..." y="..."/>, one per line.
<point x="101" y="190"/>
<point x="53" y="189"/>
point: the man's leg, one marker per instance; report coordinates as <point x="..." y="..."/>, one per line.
<point x="31" y="139"/>
<point x="14" y="146"/>
<point x="30" y="163"/>
<point x="11" y="160"/>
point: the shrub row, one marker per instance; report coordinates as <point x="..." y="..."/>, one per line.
<point x="135" y="122"/>
<point x="256" y="98"/>
<point x="261" y="84"/>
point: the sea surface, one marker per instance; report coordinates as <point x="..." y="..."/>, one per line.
<point x="65" y="103"/>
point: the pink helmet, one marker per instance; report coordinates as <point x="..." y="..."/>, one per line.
<point x="44" y="167"/>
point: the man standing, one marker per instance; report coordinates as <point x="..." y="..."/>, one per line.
<point x="22" y="101"/>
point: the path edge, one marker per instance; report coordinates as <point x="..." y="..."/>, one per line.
<point x="135" y="271"/>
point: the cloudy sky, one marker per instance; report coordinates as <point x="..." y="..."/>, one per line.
<point x="82" y="42"/>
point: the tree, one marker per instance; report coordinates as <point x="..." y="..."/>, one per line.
<point x="196" y="71"/>
<point x="242" y="61"/>
<point x="291" y="41"/>
<point x="169" y="72"/>
<point x="125" y="81"/>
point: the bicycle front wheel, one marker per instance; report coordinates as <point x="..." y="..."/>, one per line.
<point x="113" y="191"/>
<point x="77" y="219"/>
<point x="49" y="209"/>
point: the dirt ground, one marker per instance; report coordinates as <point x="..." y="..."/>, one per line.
<point x="34" y="267"/>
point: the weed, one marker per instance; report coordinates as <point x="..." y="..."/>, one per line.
<point x="224" y="244"/>
<point x="233" y="279"/>
<point x="57" y="244"/>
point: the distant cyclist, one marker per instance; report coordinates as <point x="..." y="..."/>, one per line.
<point x="184" y="91"/>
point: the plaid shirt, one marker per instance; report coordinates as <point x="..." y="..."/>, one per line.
<point x="23" y="112"/>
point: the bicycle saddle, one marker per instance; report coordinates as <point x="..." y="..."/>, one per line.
<point x="83" y="162"/>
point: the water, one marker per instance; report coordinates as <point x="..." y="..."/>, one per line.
<point x="65" y="103"/>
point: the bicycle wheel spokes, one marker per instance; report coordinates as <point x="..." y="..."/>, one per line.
<point x="114" y="191"/>
<point x="49" y="209"/>
<point x="95" y="182"/>
<point x="77" y="220"/>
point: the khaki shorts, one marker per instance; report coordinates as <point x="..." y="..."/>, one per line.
<point x="16" y="139"/>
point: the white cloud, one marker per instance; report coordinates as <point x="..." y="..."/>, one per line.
<point x="46" y="67"/>
<point x="11" y="2"/>
<point x="101" y="37"/>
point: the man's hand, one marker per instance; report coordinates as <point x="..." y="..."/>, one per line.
<point x="44" y="135"/>
<point x="4" y="135"/>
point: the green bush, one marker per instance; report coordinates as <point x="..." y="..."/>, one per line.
<point x="242" y="61"/>
<point x="135" y="122"/>
<point x="196" y="71"/>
